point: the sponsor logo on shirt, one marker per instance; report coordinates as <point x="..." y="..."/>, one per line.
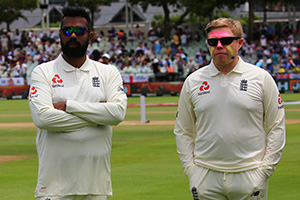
<point x="57" y="81"/>
<point x="255" y="193"/>
<point x="204" y="88"/>
<point x="195" y="193"/>
<point x="280" y="102"/>
<point x="120" y="89"/>
<point x="244" y="85"/>
<point x="33" y="92"/>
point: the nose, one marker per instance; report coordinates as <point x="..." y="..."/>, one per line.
<point x="219" y="44"/>
<point x="73" y="34"/>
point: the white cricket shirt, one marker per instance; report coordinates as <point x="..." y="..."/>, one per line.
<point x="230" y="123"/>
<point x="74" y="147"/>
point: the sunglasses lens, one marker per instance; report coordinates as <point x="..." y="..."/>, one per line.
<point x="212" y="42"/>
<point x="65" y="31"/>
<point x="226" y="40"/>
<point x="79" y="30"/>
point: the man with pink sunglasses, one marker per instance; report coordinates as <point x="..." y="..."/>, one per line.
<point x="230" y="124"/>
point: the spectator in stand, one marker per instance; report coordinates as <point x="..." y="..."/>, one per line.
<point x="176" y="38"/>
<point x="105" y="58"/>
<point x="152" y="35"/>
<point x="197" y="36"/>
<point x="280" y="48"/>
<point x="167" y="51"/>
<point x="4" y="44"/>
<point x="259" y="51"/>
<point x="138" y="32"/>
<point x="188" y="33"/>
<point x="123" y="39"/>
<point x="282" y="42"/>
<point x="183" y="39"/>
<point x="173" y="49"/>
<point x="157" y="48"/>
<point x="147" y="58"/>
<point x="267" y="53"/>
<point x="155" y="66"/>
<point x="111" y="34"/>
<point x="130" y="69"/>
<point x="278" y="29"/>
<point x="24" y="69"/>
<point x="275" y="59"/>
<point x="16" y="70"/>
<point x="167" y="62"/>
<point x="2" y="58"/>
<point x="17" y="39"/>
<point x="131" y="37"/>
<point x="259" y="63"/>
<point x="297" y="60"/>
<point x="270" y="33"/>
<point x="200" y="61"/>
<point x="144" y="67"/>
<point x="290" y="39"/>
<point x="290" y="65"/>
<point x="180" y="65"/>
<point x="263" y="42"/>
<point x="147" y="49"/>
<point x="190" y="67"/>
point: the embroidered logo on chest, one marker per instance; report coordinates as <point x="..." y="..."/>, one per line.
<point x="95" y="82"/>
<point x="244" y="85"/>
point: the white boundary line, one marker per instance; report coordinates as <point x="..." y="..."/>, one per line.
<point x="291" y="102"/>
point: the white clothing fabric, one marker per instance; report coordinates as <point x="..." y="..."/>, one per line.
<point x="75" y="197"/>
<point x="221" y="120"/>
<point x="74" y="147"/>
<point x="213" y="185"/>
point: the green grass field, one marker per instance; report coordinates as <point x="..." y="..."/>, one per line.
<point x="145" y="164"/>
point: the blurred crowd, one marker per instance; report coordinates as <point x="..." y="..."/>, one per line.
<point x="275" y="48"/>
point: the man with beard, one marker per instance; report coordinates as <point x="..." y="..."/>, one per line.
<point x="74" y="102"/>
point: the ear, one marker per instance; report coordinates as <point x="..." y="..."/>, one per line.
<point x="91" y="36"/>
<point x="241" y="41"/>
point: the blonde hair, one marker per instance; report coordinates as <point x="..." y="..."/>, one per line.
<point x="234" y="25"/>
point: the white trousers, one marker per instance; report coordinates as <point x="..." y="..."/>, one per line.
<point x="75" y="197"/>
<point x="207" y="184"/>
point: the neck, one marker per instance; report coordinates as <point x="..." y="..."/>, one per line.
<point x="227" y="67"/>
<point x="75" y="62"/>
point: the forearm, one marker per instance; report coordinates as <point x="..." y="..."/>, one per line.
<point x="275" y="125"/>
<point x="105" y="113"/>
<point x="47" y="117"/>
<point x="185" y="130"/>
<point x="185" y="150"/>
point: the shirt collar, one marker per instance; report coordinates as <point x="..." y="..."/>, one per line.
<point x="213" y="71"/>
<point x="69" y="68"/>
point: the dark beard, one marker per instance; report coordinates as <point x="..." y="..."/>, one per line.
<point x="74" y="52"/>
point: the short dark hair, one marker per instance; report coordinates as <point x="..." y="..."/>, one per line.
<point x="74" y="11"/>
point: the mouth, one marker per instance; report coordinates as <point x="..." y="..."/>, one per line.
<point x="220" y="54"/>
<point x="73" y="44"/>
